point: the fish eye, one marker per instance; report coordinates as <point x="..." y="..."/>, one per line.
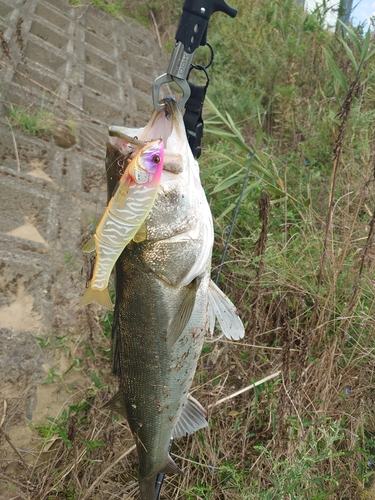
<point x="156" y="159"/>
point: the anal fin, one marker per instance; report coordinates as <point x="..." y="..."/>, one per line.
<point x="172" y="468"/>
<point x="192" y="418"/>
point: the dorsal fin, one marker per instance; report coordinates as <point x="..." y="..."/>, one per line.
<point x="123" y="189"/>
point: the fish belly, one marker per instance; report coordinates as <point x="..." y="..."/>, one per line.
<point x="154" y="378"/>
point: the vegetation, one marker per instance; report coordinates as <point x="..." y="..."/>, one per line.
<point x="290" y="111"/>
<point x="31" y="120"/>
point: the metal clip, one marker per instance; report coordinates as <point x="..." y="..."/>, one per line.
<point x="178" y="69"/>
<point x="166" y="78"/>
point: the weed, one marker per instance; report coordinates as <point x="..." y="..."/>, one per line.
<point x="51" y="375"/>
<point x="70" y="260"/>
<point x="31" y="120"/>
<point x="115" y="8"/>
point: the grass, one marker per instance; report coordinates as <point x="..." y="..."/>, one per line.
<point x="166" y="13"/>
<point x="31" y="120"/>
<point x="114" y="8"/>
<point x="300" y="269"/>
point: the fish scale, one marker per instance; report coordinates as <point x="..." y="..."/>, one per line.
<point x="154" y="379"/>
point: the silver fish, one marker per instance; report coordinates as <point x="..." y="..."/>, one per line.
<point x="165" y="304"/>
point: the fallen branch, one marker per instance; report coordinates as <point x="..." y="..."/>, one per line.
<point x="15" y="145"/>
<point x="245" y="389"/>
<point x="4" y="413"/>
<point x="17" y="483"/>
<point x="6" y="436"/>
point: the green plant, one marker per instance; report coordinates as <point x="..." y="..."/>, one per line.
<point x="115" y="8"/>
<point x="31" y="120"/>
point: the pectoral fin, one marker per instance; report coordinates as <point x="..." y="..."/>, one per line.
<point x="225" y="313"/>
<point x="191" y="419"/>
<point x="89" y="246"/>
<point x="116" y="403"/>
<point x="179" y="322"/>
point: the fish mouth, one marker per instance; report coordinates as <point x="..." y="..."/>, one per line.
<point x="160" y="126"/>
<point x="166" y="124"/>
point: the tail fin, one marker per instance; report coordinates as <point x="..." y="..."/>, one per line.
<point x="101" y="297"/>
<point x="147" y="485"/>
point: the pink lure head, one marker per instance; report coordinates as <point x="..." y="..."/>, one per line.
<point x="149" y="167"/>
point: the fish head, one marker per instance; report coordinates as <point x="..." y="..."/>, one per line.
<point x="180" y="210"/>
<point x="148" y="163"/>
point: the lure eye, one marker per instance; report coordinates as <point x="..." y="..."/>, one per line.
<point x="156" y="159"/>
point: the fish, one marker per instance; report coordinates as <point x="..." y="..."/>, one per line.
<point x="130" y="204"/>
<point x="166" y="303"/>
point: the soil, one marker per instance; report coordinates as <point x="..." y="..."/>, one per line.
<point x="37" y="382"/>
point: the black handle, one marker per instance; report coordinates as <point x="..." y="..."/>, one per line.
<point x="192" y="29"/>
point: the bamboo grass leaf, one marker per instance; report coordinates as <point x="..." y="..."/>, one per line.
<point x="212" y="121"/>
<point x="337" y="73"/>
<point x="228" y="182"/>
<point x="275" y="190"/>
<point x="353" y="37"/>
<point x="231" y="137"/>
<point x="280" y="183"/>
<point x="233" y="127"/>
<point x="367" y="77"/>
<point x="259" y="138"/>
<point x="226" y="211"/>
<point x="365" y="47"/>
<point x="213" y="170"/>
<point x="251" y="187"/>
<point x="350" y="54"/>
<point x="369" y="55"/>
<point x="263" y="171"/>
<point x="214" y="109"/>
<point x="248" y="189"/>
